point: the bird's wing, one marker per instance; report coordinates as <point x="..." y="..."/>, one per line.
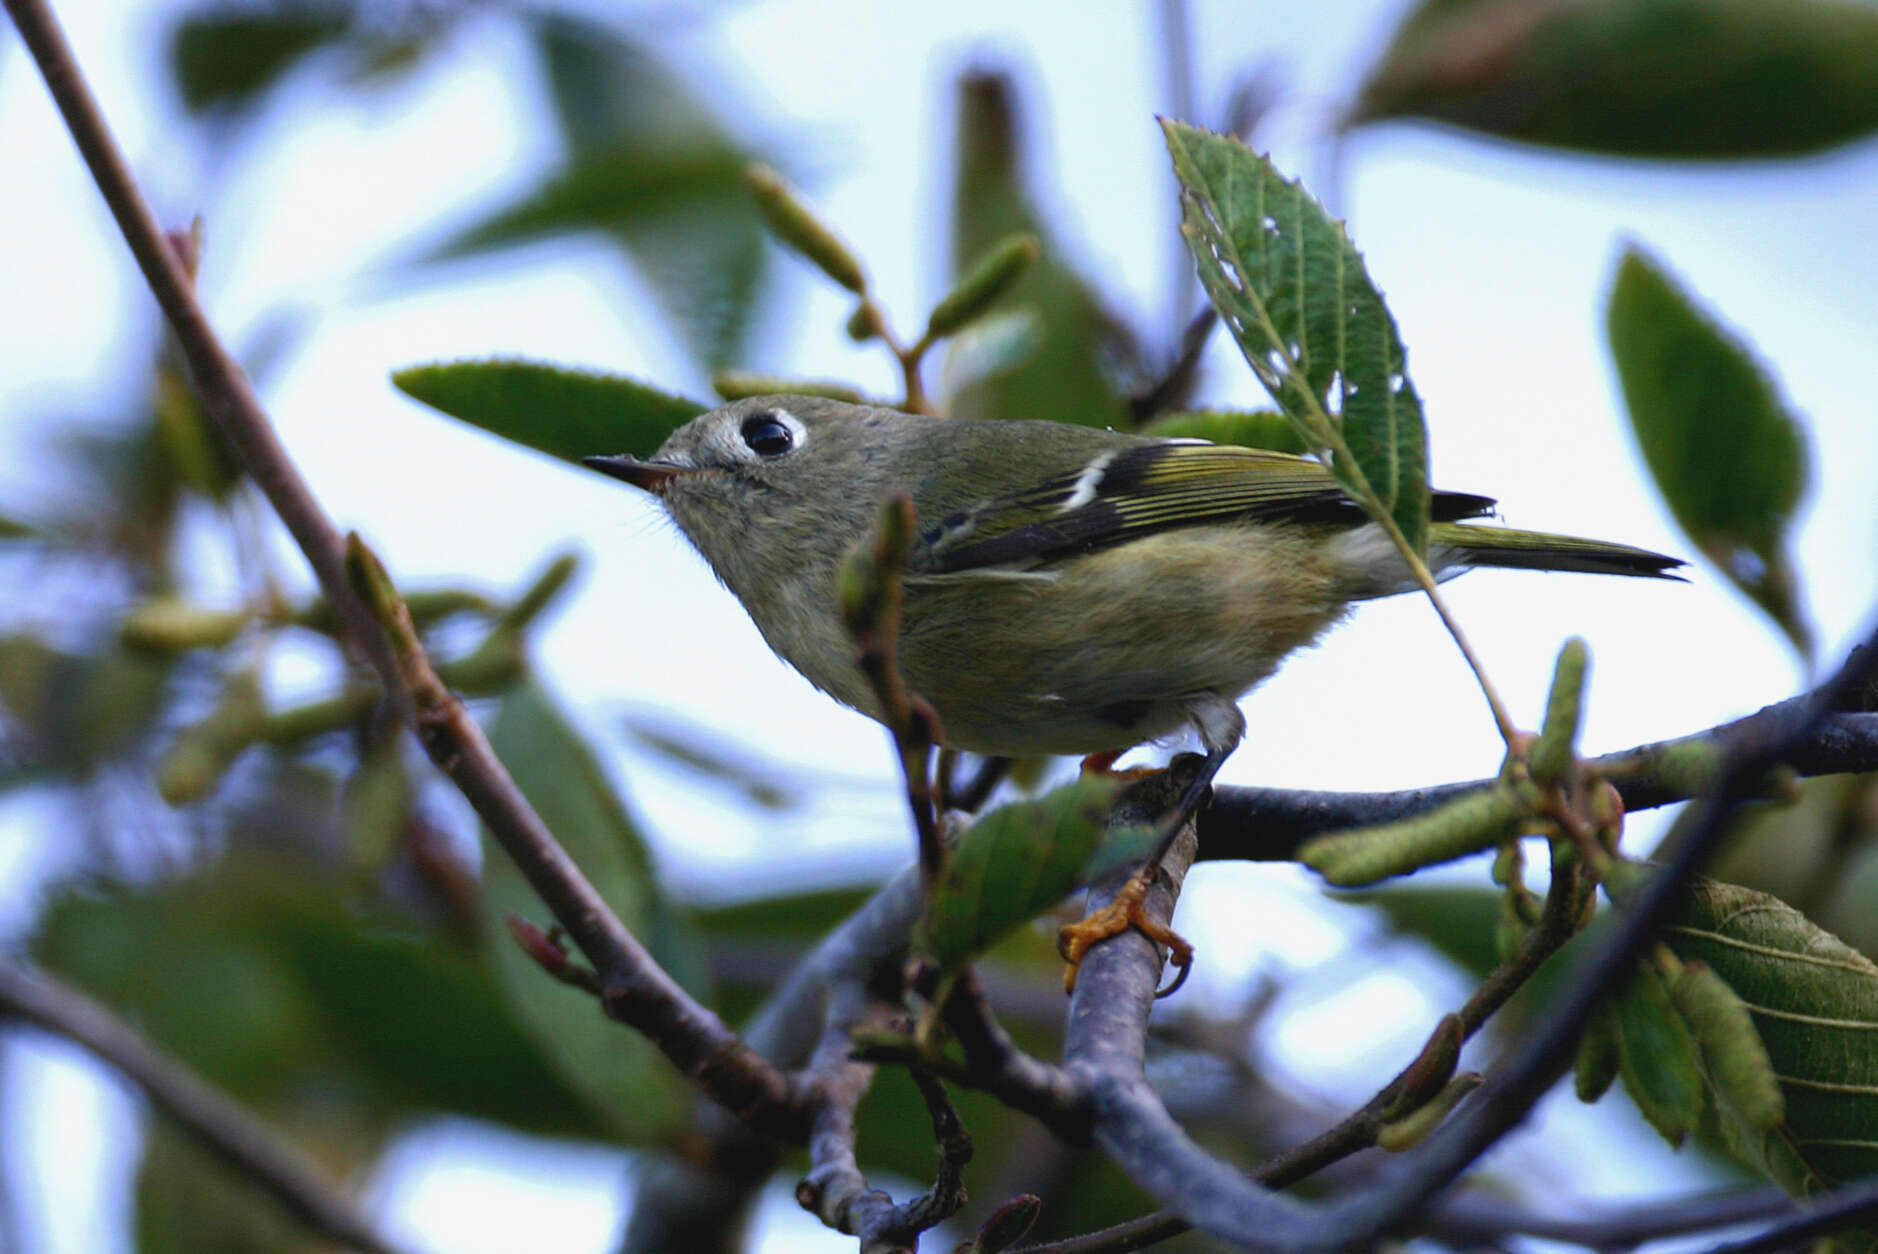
<point x="1123" y="494"/>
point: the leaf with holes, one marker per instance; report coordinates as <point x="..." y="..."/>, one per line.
<point x="1292" y="288"/>
<point x="565" y="413"/>
<point x="1727" y="454"/>
<point x="1011" y="865"/>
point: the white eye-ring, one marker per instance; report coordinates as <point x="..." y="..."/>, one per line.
<point x="761" y="435"/>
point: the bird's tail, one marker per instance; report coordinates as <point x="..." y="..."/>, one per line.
<point x="1464" y="545"/>
<point x="1369" y="566"/>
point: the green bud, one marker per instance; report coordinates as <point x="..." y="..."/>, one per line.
<point x="201" y="754"/>
<point x="1469" y="824"/>
<point x="1006" y="1226"/>
<point x="1689" y="767"/>
<point x="1410" y="1130"/>
<point x="862" y="326"/>
<point x="1553" y="755"/>
<point x="796" y="225"/>
<point x="1734" y="1057"/>
<point x="172" y="625"/>
<point x="734" y="385"/>
<point x="540" y="594"/>
<point x="990" y="277"/>
<point x="1430" y="1071"/>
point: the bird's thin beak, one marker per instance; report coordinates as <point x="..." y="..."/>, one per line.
<point x="651" y="476"/>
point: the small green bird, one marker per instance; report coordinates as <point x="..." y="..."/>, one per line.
<point x="1070" y="589"/>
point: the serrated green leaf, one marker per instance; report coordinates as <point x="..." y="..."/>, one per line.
<point x="1727" y="454"/>
<point x="1293" y="291"/>
<point x="618" y="1071"/>
<point x="1716" y="79"/>
<point x="565" y="413"/>
<point x="1262" y="428"/>
<point x="1010" y="866"/>
<point x="1656" y="1055"/>
<point x="1814" y="1002"/>
<point x="1067" y="376"/>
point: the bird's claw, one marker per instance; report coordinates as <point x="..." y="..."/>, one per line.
<point x="1127" y="910"/>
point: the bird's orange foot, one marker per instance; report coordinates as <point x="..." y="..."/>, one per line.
<point x="1126" y="911"/>
<point x="1104" y="764"/>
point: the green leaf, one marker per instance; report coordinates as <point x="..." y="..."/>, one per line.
<point x="257" y="975"/>
<point x="223" y="56"/>
<point x="67" y="713"/>
<point x="1814" y="1002"/>
<point x="1010" y="866"/>
<point x="1656" y="1055"/>
<point x="623" y="1078"/>
<point x="1727" y="454"/>
<point x="1714" y="79"/>
<point x="565" y="413"/>
<point x="12" y="528"/>
<point x="1066" y="376"/>
<point x="650" y="166"/>
<point x="1263" y="428"/>
<point x="1293" y="291"/>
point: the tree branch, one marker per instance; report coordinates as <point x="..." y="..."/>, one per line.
<point x="216" y="1120"/>
<point x="638" y="991"/>
<point x="1268" y="824"/>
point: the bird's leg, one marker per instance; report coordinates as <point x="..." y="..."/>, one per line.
<point x="1221" y="728"/>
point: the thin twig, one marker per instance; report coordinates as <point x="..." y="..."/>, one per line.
<point x="1854" y="1206"/>
<point x="220" y="383"/>
<point x="635" y="990"/>
<point x="871" y="602"/>
<point x="214" y="1118"/>
<point x="638" y="991"/>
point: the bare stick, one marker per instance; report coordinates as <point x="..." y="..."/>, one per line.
<point x="211" y="1116"/>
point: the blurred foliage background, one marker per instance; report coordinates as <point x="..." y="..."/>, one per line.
<point x="273" y="884"/>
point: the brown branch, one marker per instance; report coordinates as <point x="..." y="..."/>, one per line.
<point x="835" y="1189"/>
<point x="212" y="1117"/>
<point x="638" y="992"/>
<point x="634" y="989"/>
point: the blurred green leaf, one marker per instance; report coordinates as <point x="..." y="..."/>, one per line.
<point x="189" y="1203"/>
<point x="255" y="975"/>
<point x="70" y="712"/>
<point x="565" y="413"/>
<point x="990" y="348"/>
<point x="650" y="166"/>
<point x="1293" y="291"/>
<point x="1263" y="428"/>
<point x="1723" y="79"/>
<point x="1727" y="454"/>
<point x="1656" y="1055"/>
<point x="623" y="1078"/>
<point x="12" y="528"/>
<point x="224" y="55"/>
<point x="201" y="457"/>
<point x="1010" y="866"/>
<point x="1067" y="375"/>
<point x="1814" y="1001"/>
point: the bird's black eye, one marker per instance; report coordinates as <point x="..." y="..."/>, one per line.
<point x="767" y="435"/>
